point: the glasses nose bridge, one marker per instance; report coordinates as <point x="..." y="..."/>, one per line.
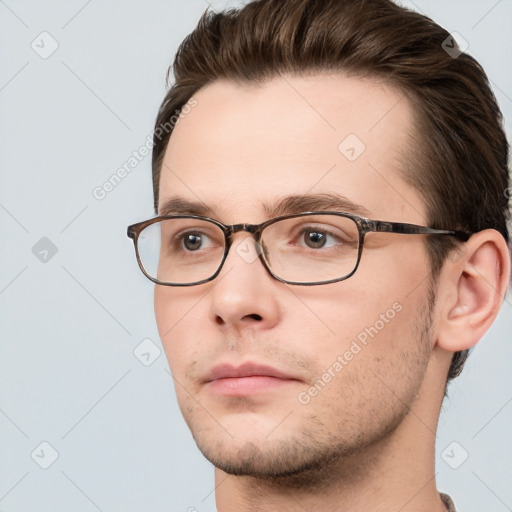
<point x="253" y="229"/>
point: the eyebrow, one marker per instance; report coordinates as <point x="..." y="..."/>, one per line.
<point x="314" y="203"/>
<point x="180" y="206"/>
<point x="289" y="205"/>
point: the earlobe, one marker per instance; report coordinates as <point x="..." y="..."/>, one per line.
<point x="472" y="290"/>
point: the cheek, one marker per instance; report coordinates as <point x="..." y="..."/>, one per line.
<point x="174" y="306"/>
<point x="369" y="315"/>
<point x="357" y="368"/>
<point x="164" y="314"/>
<point x="176" y="313"/>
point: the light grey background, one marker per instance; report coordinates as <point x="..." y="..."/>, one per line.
<point x="70" y="323"/>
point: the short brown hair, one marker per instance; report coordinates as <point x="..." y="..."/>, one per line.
<point x="460" y="158"/>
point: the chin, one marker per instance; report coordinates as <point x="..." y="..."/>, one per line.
<point x="266" y="462"/>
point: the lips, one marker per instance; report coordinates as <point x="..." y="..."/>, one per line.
<point x="227" y="371"/>
<point x="246" y="379"/>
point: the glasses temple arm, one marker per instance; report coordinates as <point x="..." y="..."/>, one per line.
<point x="413" y="229"/>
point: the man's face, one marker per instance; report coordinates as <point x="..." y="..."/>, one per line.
<point x="343" y="361"/>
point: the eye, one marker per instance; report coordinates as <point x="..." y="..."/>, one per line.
<point x="315" y="238"/>
<point x="195" y="241"/>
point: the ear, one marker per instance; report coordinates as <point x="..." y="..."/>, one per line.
<point x="472" y="286"/>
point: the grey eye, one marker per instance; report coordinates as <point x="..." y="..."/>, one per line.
<point x="192" y="241"/>
<point x="314" y="239"/>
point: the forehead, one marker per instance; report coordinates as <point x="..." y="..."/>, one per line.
<point x="245" y="146"/>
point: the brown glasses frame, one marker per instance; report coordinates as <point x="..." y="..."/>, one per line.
<point x="363" y="224"/>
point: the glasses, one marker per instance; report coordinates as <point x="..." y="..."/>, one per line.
<point x="309" y="248"/>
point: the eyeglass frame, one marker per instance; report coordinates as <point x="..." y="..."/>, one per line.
<point x="364" y="226"/>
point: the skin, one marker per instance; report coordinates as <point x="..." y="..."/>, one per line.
<point x="366" y="440"/>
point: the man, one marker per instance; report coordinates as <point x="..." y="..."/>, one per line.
<point x="331" y="240"/>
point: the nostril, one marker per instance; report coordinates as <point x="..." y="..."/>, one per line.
<point x="220" y="321"/>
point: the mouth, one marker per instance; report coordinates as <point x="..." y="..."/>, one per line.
<point x="247" y="379"/>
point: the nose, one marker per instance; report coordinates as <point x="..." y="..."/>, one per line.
<point x="244" y="294"/>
